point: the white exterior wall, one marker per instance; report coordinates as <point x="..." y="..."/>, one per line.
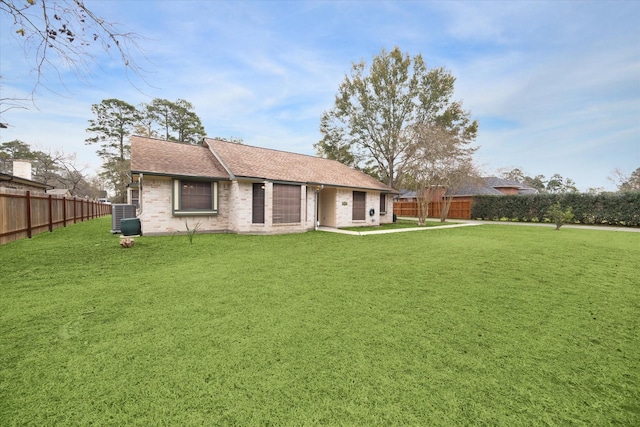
<point x="344" y="209"/>
<point x="234" y="210"/>
<point x="388" y="217"/>
<point x="241" y="200"/>
<point x="22" y="169"/>
<point x="156" y="216"/>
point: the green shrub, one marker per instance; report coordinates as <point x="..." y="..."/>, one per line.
<point x="559" y="216"/>
<point x="621" y="209"/>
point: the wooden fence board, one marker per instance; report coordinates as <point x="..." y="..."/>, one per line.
<point x="460" y="209"/>
<point x="23" y="213"/>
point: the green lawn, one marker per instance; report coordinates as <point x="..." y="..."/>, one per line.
<point x="489" y="325"/>
<point x="400" y="223"/>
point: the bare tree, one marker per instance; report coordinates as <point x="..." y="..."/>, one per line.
<point x="73" y="175"/>
<point x="440" y="163"/>
<point x="59" y="34"/>
<point x="626" y="182"/>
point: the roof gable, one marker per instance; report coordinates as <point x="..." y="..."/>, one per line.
<point x="159" y="157"/>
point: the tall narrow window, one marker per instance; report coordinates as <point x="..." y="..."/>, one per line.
<point x="135" y="198"/>
<point x="359" y="206"/>
<point x="383" y="203"/>
<point x="257" y="212"/>
<point x="286" y="203"/>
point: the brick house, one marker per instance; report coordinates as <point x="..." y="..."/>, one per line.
<point x="236" y="188"/>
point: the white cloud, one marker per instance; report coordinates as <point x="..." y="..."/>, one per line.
<point x="555" y="84"/>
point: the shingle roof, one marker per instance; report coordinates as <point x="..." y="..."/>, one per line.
<point x="160" y="157"/>
<point x="490" y="184"/>
<point x="486" y="185"/>
<point x="12" y="178"/>
<point x="226" y="160"/>
<point x="263" y="163"/>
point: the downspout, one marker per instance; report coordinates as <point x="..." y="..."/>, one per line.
<point x="140" y="195"/>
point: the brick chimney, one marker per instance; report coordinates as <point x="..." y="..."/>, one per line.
<point x="22" y="169"/>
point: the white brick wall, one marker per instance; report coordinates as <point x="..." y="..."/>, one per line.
<point x="235" y="209"/>
<point x="344" y="212"/>
<point x="156" y="215"/>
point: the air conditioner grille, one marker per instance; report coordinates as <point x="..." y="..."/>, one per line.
<point x="120" y="212"/>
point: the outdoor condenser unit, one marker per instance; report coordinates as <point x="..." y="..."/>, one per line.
<point x="119" y="212"/>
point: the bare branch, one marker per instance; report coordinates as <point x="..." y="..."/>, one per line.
<point x="59" y="35"/>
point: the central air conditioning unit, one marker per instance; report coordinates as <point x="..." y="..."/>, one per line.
<point x="120" y="212"/>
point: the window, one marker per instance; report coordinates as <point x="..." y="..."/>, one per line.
<point x="286" y="203"/>
<point x="383" y="203"/>
<point x="135" y="198"/>
<point x="195" y="197"/>
<point x="359" y="206"/>
<point x="257" y="211"/>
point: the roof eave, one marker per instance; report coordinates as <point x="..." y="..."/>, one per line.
<point x="174" y="175"/>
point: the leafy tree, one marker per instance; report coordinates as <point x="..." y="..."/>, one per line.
<point x="333" y="144"/>
<point x="172" y="121"/>
<point x="62" y="35"/>
<point x="560" y="216"/>
<point x="538" y="182"/>
<point x="111" y="128"/>
<point x="13" y="150"/>
<point x="515" y="174"/>
<point x="555" y="185"/>
<point x="558" y="184"/>
<point x="375" y="109"/>
<point x="53" y="168"/>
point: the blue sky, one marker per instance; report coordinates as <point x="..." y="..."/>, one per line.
<point x="554" y="85"/>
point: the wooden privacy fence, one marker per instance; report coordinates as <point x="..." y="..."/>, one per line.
<point x="460" y="209"/>
<point x="23" y="213"/>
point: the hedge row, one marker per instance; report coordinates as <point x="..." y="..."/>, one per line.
<point x="622" y="209"/>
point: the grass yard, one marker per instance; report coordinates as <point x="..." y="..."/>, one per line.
<point x="489" y="325"/>
<point x="400" y="223"/>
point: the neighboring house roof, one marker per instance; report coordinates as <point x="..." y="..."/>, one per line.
<point x="490" y="184"/>
<point x="495" y="182"/>
<point x="406" y="194"/>
<point x="262" y="163"/>
<point x="5" y="177"/>
<point x="159" y="157"/>
<point x="59" y="192"/>
<point x="230" y="160"/>
<point x="487" y="185"/>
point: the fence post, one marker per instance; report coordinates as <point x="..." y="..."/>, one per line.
<point x="28" y="214"/>
<point x="64" y="211"/>
<point x="50" y="213"/>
